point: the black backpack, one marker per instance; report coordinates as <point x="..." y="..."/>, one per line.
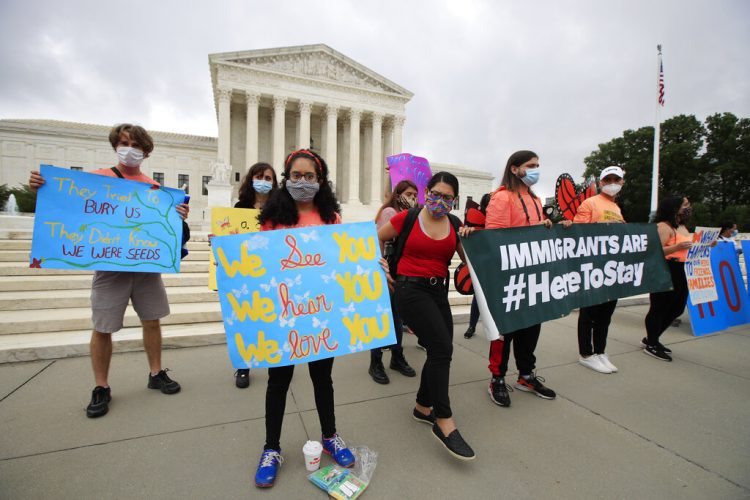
<point x="397" y="246"/>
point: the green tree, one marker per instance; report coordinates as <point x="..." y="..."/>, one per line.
<point x="727" y="160"/>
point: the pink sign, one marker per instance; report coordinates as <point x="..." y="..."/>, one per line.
<point x="414" y="168"/>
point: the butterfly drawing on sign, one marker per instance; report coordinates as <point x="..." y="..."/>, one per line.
<point x="357" y="347"/>
<point x="348" y="309"/>
<point x="225" y="223"/>
<point x="280" y="353"/>
<point x="319" y="324"/>
<point x="311" y="236"/>
<point x="380" y="309"/>
<point x="361" y="271"/>
<point x="291" y="282"/>
<point x="300" y="298"/>
<point x="241" y="291"/>
<point x="256" y="363"/>
<point x="230" y="320"/>
<point x="287" y="322"/>
<point x="287" y="347"/>
<point x="269" y="285"/>
<point x="568" y="197"/>
<point x="328" y="277"/>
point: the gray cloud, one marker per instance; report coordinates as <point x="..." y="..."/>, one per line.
<point x="489" y="77"/>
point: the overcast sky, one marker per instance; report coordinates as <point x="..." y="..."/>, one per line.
<point x="488" y="77"/>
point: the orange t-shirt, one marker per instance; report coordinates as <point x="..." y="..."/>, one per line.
<point x="506" y="209"/>
<point x="676" y="238"/>
<point x="140" y="177"/>
<point x="598" y="208"/>
<point x="306" y="219"/>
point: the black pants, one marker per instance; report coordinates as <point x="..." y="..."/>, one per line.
<point x="376" y="354"/>
<point x="667" y="306"/>
<point x="524" y="344"/>
<point x="426" y="310"/>
<point x="474" y="314"/>
<point x="593" y="324"/>
<point x="278" y="385"/>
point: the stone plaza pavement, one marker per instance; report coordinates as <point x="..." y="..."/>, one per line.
<point x="653" y="430"/>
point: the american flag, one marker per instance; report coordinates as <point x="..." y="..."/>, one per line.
<point x="661" y="83"/>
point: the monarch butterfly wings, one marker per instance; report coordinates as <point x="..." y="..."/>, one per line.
<point x="568" y="197"/>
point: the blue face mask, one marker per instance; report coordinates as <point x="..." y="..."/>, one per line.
<point x="531" y="177"/>
<point x="261" y="186"/>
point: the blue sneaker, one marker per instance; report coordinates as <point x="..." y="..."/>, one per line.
<point x="336" y="447"/>
<point x="265" y="476"/>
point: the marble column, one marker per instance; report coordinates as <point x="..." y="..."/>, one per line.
<point x="376" y="161"/>
<point x="223" y="146"/>
<point x="387" y="151"/>
<point x="354" y="118"/>
<point x="279" y="110"/>
<point x="252" y="99"/>
<point x="331" y="145"/>
<point x="303" y="141"/>
<point x="398" y="134"/>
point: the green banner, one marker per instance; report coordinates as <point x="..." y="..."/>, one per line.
<point x="527" y="275"/>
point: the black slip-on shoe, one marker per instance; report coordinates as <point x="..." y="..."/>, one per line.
<point x="421" y="417"/>
<point x="454" y="443"/>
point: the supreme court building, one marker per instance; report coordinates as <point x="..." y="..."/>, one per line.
<point x="268" y="103"/>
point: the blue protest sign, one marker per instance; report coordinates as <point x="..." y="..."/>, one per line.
<point x="89" y="221"/>
<point x="746" y="252"/>
<point x="733" y="305"/>
<point x="297" y="295"/>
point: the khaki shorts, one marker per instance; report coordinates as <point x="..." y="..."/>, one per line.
<point x="111" y="291"/>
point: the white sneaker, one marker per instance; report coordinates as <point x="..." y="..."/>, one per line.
<point x="604" y="359"/>
<point x="594" y="363"/>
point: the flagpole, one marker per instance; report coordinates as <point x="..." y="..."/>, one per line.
<point x="657" y="133"/>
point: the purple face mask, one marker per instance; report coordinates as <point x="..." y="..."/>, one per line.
<point x="437" y="206"/>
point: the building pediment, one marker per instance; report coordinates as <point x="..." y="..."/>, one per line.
<point x="314" y="62"/>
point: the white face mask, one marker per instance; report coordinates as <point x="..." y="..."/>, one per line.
<point x="611" y="189"/>
<point x="130" y="157"/>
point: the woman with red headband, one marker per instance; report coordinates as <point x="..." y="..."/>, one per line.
<point x="305" y="198"/>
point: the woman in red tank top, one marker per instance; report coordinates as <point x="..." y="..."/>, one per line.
<point x="421" y="296"/>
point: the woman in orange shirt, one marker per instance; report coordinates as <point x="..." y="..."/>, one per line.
<point x="671" y="216"/>
<point x="514" y="204"/>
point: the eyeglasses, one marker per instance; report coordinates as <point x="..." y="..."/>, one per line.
<point x="309" y="176"/>
<point x="447" y="197"/>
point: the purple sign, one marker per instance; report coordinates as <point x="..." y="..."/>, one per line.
<point x="414" y="168"/>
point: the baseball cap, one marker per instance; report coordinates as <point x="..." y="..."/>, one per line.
<point x="613" y="170"/>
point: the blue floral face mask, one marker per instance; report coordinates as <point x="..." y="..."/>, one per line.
<point x="437" y="206"/>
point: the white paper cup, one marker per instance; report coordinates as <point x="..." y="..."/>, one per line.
<point x="312" y="451"/>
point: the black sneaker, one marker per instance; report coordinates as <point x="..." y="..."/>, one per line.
<point x="421" y="417"/>
<point x="470" y="332"/>
<point x="99" y="405"/>
<point x="162" y="382"/>
<point x="499" y="391"/>
<point x="454" y="443"/>
<point x="399" y="363"/>
<point x="644" y="344"/>
<point x="242" y="378"/>
<point x="657" y="353"/>
<point x="377" y="372"/>
<point x="534" y="384"/>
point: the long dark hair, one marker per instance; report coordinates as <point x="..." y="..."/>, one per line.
<point x="281" y="210"/>
<point x="393" y="200"/>
<point x="247" y="192"/>
<point x="668" y="209"/>
<point x="511" y="182"/>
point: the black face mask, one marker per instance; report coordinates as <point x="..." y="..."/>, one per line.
<point x="686" y="214"/>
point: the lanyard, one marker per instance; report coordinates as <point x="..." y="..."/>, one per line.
<point x="526" y="210"/>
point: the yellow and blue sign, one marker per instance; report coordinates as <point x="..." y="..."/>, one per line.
<point x="293" y="296"/>
<point x="89" y="221"/>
